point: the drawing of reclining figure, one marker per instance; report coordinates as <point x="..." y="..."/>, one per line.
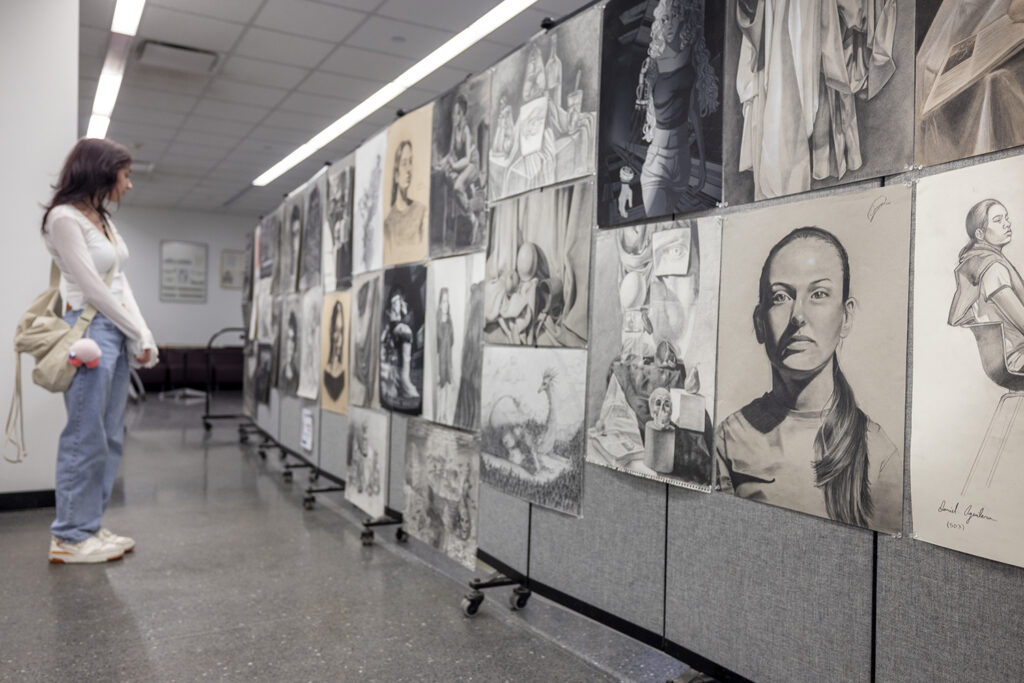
<point x="989" y="289"/>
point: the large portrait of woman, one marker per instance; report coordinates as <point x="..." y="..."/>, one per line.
<point x="407" y="188"/>
<point x="812" y="374"/>
<point x="334" y="350"/>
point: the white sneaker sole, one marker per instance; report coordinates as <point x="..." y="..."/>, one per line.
<point x="70" y="558"/>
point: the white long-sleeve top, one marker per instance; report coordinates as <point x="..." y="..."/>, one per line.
<point x="85" y="256"/>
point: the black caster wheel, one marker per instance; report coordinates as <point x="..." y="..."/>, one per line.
<point x="366" y="537"/>
<point x="243" y="438"/>
<point x="287" y="476"/>
<point x="401" y="535"/>
<point x="308" y="502"/>
<point x="263" y="454"/>
<point x="471" y="603"/>
<point x="207" y="426"/>
<point x="282" y="455"/>
<point x="518" y="598"/>
<point x="314" y="475"/>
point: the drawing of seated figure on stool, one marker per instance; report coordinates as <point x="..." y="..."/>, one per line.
<point x="989" y="301"/>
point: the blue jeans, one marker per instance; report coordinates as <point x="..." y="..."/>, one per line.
<point x="90" y="447"/>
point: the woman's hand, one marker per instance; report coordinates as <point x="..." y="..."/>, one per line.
<point x="143" y="358"/>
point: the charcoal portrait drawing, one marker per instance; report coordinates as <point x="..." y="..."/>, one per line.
<point x="365" y="359"/>
<point x="660" y="146"/>
<point x="401" y="339"/>
<point x="544" y="100"/>
<point x="827" y="305"/>
<point x="458" y="176"/>
<point x="969" y="325"/>
<point x="290" y="352"/>
<point x="816" y="94"/>
<point x="270" y="228"/>
<point x="334" y="349"/>
<point x="531" y="424"/>
<point x="312" y="232"/>
<point x="337" y="240"/>
<point x="652" y="352"/>
<point x="407" y="188"/>
<point x="309" y="373"/>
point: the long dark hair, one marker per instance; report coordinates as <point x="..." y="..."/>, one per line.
<point x="841" y="470"/>
<point x="398" y="156"/>
<point x="977" y="219"/>
<point x="89" y="174"/>
<point x="337" y="314"/>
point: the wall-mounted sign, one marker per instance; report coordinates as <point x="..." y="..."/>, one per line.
<point x="183" y="272"/>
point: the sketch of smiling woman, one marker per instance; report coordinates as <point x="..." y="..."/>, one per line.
<point x="805" y="444"/>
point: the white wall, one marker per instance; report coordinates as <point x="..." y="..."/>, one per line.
<point x="179" y="323"/>
<point x="39" y="117"/>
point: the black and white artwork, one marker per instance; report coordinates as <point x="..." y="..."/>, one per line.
<point x="263" y="377"/>
<point x="249" y="380"/>
<point x="277" y="336"/>
<point x="653" y="336"/>
<point x="270" y="231"/>
<point x="816" y="94"/>
<point x="312" y="231"/>
<point x="251" y="254"/>
<point x="334" y="349"/>
<point x="538" y="268"/>
<point x="337" y="235"/>
<point x="968" y="399"/>
<point x="442" y="485"/>
<point x="290" y="353"/>
<point x="531" y="424"/>
<point x="366" y="485"/>
<point x="290" y="245"/>
<point x="401" y="339"/>
<point x="367" y="226"/>
<point x="263" y="300"/>
<point x="660" y="146"/>
<point x="453" y="345"/>
<point x="812" y="356"/>
<point x="309" y="342"/>
<point x="544" y="100"/>
<point x="407" y="188"/>
<point x="365" y="358"/>
<point x="970" y="78"/>
<point x="458" y="176"/>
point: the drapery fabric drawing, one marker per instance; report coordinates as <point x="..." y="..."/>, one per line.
<point x="365" y="358"/>
<point x="366" y="485"/>
<point x="367" y="226"/>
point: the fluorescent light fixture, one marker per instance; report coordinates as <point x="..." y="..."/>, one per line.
<point x="97" y="126"/>
<point x="109" y="84"/>
<point x="127" y="14"/>
<point x="106" y="93"/>
<point x="458" y="44"/>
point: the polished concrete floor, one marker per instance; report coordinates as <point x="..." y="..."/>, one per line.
<point x="233" y="580"/>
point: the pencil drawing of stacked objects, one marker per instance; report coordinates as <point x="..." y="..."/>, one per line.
<point x="660" y="141"/>
<point x="654" y="323"/>
<point x="538" y="268"/>
<point x="545" y="133"/>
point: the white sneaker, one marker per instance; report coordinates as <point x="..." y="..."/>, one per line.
<point x="123" y="542"/>
<point x="89" y="551"/>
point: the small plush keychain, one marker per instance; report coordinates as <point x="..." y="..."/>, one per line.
<point x="85" y="352"/>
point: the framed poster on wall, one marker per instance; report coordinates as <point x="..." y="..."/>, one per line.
<point x="232" y="268"/>
<point x="183" y="272"/>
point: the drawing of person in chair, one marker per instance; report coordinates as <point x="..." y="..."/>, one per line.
<point x="989" y="289"/>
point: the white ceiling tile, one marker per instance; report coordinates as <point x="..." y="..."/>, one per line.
<point x="156" y="117"/>
<point x="154" y="99"/>
<point x="164" y="80"/>
<point x="232" y="10"/>
<point x="90" y="66"/>
<point x="262" y="72"/>
<point x="442" y="80"/>
<point x="244" y="93"/>
<point x="336" y="85"/>
<point x="287" y="136"/>
<point x="379" y="33"/>
<point x="181" y="167"/>
<point x="292" y="119"/>
<point x="227" y="110"/>
<point x="87" y="90"/>
<point x="354" y="61"/>
<point x="309" y="19"/>
<point x="197" y="151"/>
<point x="93" y="41"/>
<point x="443" y="14"/>
<point x="182" y="28"/>
<point x="410" y="100"/>
<point x="219" y="126"/>
<point x="480" y="56"/>
<point x="124" y="130"/>
<point x="364" y="5"/>
<point x="281" y="47"/>
<point x="213" y="140"/>
<point x="519" y="28"/>
<point x="317" y="104"/>
<point x="96" y="13"/>
<point x="559" y="8"/>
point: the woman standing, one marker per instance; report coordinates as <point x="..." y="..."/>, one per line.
<point x="89" y="250"/>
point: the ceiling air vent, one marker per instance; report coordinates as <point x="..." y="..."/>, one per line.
<point x="176" y="57"/>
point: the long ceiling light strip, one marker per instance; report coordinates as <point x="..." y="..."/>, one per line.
<point x="127" y="14"/>
<point x="458" y="44"/>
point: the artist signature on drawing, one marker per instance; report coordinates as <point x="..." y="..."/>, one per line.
<point x="969" y="513"/>
<point x="876" y="207"/>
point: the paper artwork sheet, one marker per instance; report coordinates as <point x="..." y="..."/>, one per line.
<point x="407" y="188"/>
<point x="453" y="344"/>
<point x="309" y="342"/>
<point x="315" y="210"/>
<point x="538" y="268"/>
<point x="401" y="339"/>
<point x="289" y="352"/>
<point x="967" y="429"/>
<point x="532" y="424"/>
<point x="290" y="247"/>
<point x="654" y="328"/>
<point x="367" y="226"/>
<point x="270" y="234"/>
<point x="337" y="234"/>
<point x="812" y="356"/>
<point x="660" y="146"/>
<point x="263" y="375"/>
<point x="334" y="347"/>
<point x="365" y="358"/>
<point x="544" y="100"/>
<point x="442" y="485"/>
<point x="458" y="176"/>
<point x="366" y="485"/>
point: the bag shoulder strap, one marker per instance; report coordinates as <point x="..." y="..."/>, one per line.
<point x="14" y="432"/>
